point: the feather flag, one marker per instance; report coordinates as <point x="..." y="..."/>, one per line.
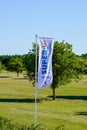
<point x="45" y="76"/>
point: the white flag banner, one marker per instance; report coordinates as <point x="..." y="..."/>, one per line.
<point x="45" y="75"/>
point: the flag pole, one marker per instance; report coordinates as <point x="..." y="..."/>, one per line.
<point x="35" y="90"/>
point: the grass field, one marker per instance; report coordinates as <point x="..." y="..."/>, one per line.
<point x="68" y="111"/>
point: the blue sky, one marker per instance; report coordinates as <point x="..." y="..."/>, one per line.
<point x="20" y="20"/>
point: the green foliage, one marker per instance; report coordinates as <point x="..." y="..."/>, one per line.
<point x="84" y="56"/>
<point x="82" y="65"/>
<point x="0" y="66"/>
<point x="64" y="63"/>
<point x="85" y="66"/>
<point x="29" y="62"/>
<point x="4" y="59"/>
<point x="15" y="64"/>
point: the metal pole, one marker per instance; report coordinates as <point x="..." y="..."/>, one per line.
<point x="35" y="90"/>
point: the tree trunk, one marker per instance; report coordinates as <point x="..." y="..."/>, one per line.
<point x="17" y="74"/>
<point x="54" y="93"/>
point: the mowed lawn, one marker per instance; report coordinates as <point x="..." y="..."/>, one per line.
<point x="68" y="111"/>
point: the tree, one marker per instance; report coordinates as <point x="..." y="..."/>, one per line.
<point x="82" y="65"/>
<point x="29" y="62"/>
<point x="84" y="56"/>
<point x="0" y="66"/>
<point x="64" y="64"/>
<point x="4" y="59"/>
<point x="16" y="65"/>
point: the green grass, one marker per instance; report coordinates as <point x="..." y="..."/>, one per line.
<point x="68" y="111"/>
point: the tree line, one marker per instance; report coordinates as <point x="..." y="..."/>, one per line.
<point x="66" y="64"/>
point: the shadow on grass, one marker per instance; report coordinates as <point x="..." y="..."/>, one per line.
<point x="71" y="97"/>
<point x="21" y="78"/>
<point x="22" y="100"/>
<point x="4" y="76"/>
<point x="18" y="100"/>
<point x="81" y="113"/>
